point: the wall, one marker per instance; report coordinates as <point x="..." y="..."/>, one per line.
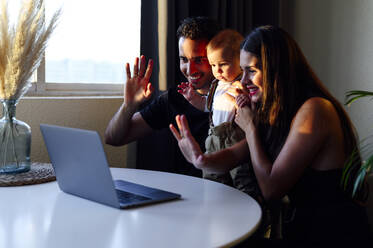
<point x="336" y="36"/>
<point x="87" y="113"/>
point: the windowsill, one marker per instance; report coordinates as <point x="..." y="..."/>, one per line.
<point x="66" y="90"/>
<point x="40" y="97"/>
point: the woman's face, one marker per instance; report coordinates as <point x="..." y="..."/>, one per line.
<point x="252" y="75"/>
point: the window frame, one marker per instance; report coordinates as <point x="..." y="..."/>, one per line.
<point x="39" y="87"/>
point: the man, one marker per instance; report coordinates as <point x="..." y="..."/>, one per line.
<point x="129" y="124"/>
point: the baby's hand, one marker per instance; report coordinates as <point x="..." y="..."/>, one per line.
<point x="237" y="84"/>
<point x="187" y="90"/>
<point x="235" y="89"/>
<point x="192" y="96"/>
<point x="239" y="100"/>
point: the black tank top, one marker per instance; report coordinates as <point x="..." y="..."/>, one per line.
<point x="323" y="215"/>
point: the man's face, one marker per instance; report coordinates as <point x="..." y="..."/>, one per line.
<point x="194" y="64"/>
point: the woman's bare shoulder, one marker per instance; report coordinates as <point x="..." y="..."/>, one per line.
<point x="318" y="103"/>
<point x="318" y="106"/>
<point x="316" y="112"/>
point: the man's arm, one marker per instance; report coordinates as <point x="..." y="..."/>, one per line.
<point x="128" y="125"/>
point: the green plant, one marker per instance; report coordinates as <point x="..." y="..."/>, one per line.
<point x="355" y="169"/>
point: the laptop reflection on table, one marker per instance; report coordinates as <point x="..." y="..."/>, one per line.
<point x="81" y="169"/>
<point x="74" y="221"/>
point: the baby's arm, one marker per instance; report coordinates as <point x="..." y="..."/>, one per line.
<point x="235" y="89"/>
<point x="192" y="96"/>
<point x="237" y="95"/>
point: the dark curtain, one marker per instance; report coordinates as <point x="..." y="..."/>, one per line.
<point x="154" y="151"/>
<point x="234" y="14"/>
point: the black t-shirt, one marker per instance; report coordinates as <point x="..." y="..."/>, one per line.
<point x="162" y="111"/>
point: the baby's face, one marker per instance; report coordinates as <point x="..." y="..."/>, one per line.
<point x="224" y="67"/>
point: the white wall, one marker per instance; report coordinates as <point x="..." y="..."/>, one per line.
<point x="88" y="113"/>
<point x="336" y="36"/>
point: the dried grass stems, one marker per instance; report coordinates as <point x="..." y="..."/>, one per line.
<point x="22" y="46"/>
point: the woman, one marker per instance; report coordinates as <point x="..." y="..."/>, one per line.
<point x="297" y="136"/>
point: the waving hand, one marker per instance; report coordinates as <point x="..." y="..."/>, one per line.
<point x="188" y="145"/>
<point x="138" y="88"/>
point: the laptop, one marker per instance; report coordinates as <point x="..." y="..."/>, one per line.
<point x="81" y="169"/>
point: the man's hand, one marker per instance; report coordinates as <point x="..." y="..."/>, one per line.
<point x="138" y="88"/>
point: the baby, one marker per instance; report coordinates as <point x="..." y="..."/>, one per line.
<point x="223" y="53"/>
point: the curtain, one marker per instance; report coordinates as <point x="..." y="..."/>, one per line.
<point x="159" y="22"/>
<point x="234" y="14"/>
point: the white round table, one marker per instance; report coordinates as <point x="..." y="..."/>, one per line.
<point x="209" y="214"/>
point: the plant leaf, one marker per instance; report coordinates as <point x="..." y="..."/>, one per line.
<point x="359" y="180"/>
<point x="353" y="95"/>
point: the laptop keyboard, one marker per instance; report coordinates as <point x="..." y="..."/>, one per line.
<point x="127" y="197"/>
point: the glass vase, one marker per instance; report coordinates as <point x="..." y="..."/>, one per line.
<point x="15" y="141"/>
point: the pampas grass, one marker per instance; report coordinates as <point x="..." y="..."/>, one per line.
<point x="22" y="46"/>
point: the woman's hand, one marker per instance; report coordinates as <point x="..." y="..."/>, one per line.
<point x="221" y="161"/>
<point x="244" y="114"/>
<point x="243" y="100"/>
<point x="138" y="88"/>
<point x="188" y="145"/>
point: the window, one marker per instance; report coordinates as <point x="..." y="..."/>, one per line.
<point x="87" y="52"/>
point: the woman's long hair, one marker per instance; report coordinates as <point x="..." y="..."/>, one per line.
<point x="288" y="81"/>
